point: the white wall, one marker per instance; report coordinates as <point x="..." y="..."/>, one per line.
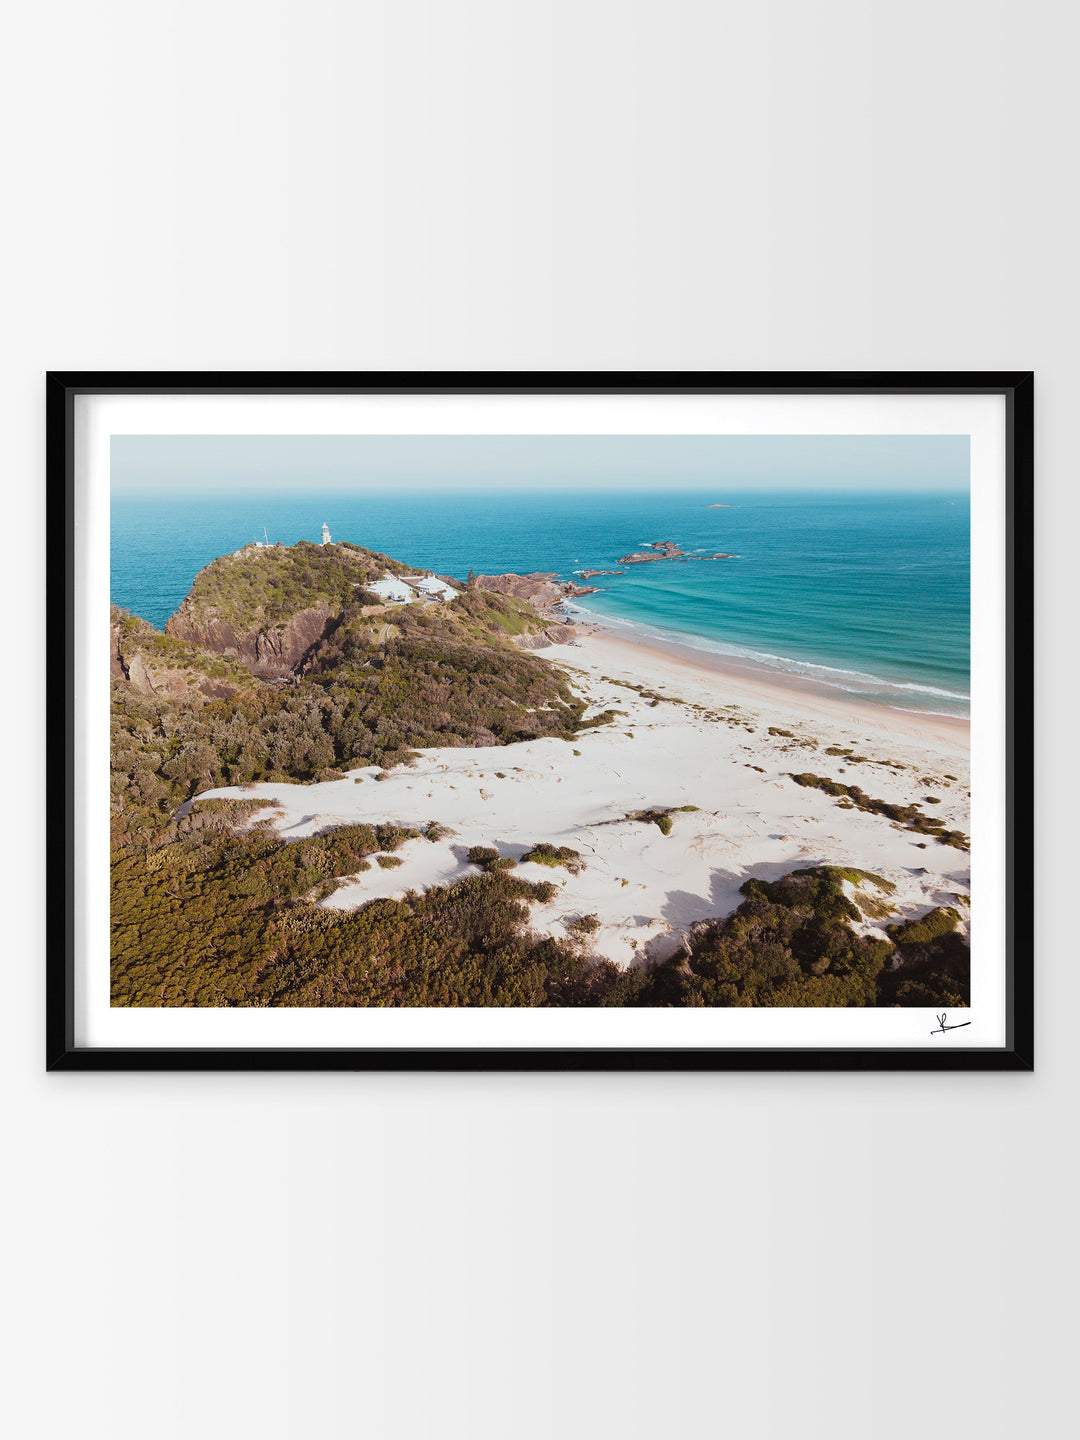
<point x="568" y="184"/>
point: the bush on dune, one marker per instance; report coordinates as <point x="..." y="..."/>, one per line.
<point x="932" y="926"/>
<point x="909" y="816"/>
<point x="790" y="943"/>
<point x="554" y="856"/>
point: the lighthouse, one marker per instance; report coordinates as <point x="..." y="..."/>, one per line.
<point x="325" y="535"/>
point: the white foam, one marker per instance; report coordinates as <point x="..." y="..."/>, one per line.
<point x="825" y="674"/>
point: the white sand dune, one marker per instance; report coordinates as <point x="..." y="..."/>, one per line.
<point x="713" y="752"/>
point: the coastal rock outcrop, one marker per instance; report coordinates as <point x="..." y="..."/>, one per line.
<point x="661" y="550"/>
<point x="265" y="650"/>
<point x="535" y="589"/>
<point x="538" y="590"/>
<point x="658" y="550"/>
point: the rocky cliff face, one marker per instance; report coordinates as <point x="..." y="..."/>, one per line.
<point x="265" y="650"/>
<point x="139" y="655"/>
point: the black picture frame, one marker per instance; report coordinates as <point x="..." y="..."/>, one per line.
<point x="1016" y="387"/>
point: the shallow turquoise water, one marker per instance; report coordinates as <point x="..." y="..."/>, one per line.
<point x="868" y="593"/>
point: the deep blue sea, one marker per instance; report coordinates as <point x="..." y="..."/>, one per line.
<point x="867" y="593"/>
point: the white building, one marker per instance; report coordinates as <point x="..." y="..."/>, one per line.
<point x="434" y="589"/>
<point x="402" y="589"/>
<point x="393" y="590"/>
<point x="325" y="534"/>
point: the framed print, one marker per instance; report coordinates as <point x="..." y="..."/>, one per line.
<point x="554" y="721"/>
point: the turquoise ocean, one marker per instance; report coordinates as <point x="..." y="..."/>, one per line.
<point x="866" y="593"/>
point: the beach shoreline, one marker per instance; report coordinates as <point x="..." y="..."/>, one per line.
<point x="737" y="666"/>
<point x="634" y="648"/>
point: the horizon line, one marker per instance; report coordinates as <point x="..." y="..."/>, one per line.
<point x="208" y="487"/>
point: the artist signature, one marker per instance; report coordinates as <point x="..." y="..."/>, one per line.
<point x="942" y="1027"/>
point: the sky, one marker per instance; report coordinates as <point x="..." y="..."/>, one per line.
<point x="283" y="463"/>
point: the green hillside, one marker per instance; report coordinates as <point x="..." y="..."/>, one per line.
<point x="267" y="585"/>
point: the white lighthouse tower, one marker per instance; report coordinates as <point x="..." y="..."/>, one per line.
<point x="325" y="535"/>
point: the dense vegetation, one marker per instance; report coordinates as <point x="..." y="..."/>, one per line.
<point x="214" y="917"/>
<point x="932" y="926"/>
<point x="936" y="963"/>
<point x="267" y="586"/>
<point x="789" y="943"/>
<point x="213" y="908"/>
<point x="217" y="918"/>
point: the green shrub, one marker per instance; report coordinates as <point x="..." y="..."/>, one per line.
<point x="585" y="925"/>
<point x="854" y="877"/>
<point x="934" y="972"/>
<point x="554" y="856"/>
<point x="661" y="818"/>
<point x="388" y="862"/>
<point x="933" y="925"/>
<point x="489" y="859"/>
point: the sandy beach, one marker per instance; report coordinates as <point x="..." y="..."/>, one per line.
<point x="706" y="744"/>
<point x="628" y="650"/>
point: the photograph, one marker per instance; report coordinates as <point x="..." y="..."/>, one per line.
<point x="539" y="789"/>
<point x="540" y="721"/>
